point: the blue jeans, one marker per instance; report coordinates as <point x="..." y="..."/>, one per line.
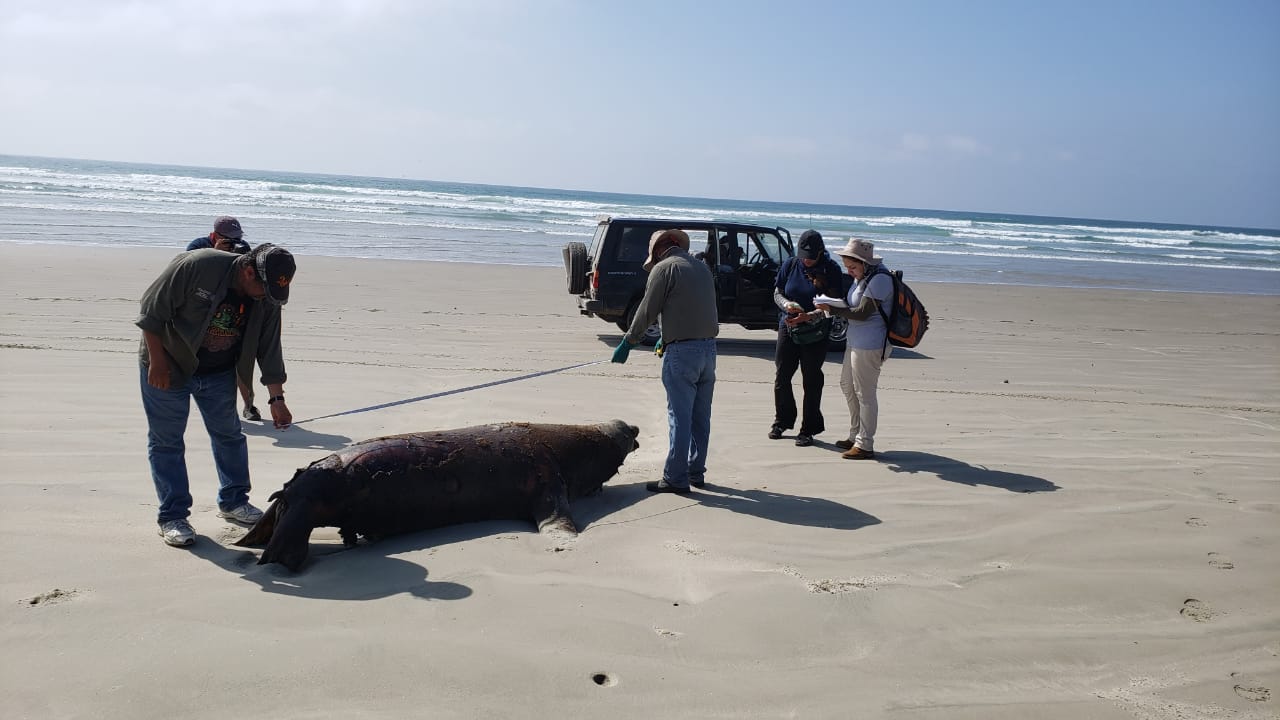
<point x="689" y="375"/>
<point x="167" y="412"/>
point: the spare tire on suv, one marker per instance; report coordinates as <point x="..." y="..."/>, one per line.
<point x="575" y="266"/>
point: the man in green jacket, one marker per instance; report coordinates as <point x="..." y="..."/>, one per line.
<point x="205" y="322"/>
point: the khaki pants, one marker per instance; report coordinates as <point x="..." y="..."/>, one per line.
<point x="858" y="379"/>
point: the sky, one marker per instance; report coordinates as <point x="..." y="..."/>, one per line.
<point x="1159" y="110"/>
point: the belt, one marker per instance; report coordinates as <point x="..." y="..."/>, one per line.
<point x="673" y="342"/>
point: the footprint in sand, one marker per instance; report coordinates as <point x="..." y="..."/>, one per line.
<point x="229" y="534"/>
<point x="1196" y="522"/>
<point x="1226" y="498"/>
<point x="837" y="587"/>
<point x="668" y="633"/>
<point x="52" y="597"/>
<point x="1253" y="693"/>
<point x="685" y="546"/>
<point x="1220" y="562"/>
<point x="1197" y="610"/>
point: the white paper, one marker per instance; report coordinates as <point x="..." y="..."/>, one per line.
<point x="828" y="300"/>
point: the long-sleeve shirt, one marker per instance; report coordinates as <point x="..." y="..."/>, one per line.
<point x="179" y="307"/>
<point x="681" y="290"/>
<point x="793" y="284"/>
<point x="866" y="326"/>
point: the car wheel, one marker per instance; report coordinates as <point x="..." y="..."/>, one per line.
<point x="839" y="332"/>
<point x="575" y="266"/>
<point x="651" y="334"/>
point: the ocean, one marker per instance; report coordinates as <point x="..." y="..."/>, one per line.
<point x="85" y="202"/>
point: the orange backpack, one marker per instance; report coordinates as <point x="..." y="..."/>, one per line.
<point x="907" y="320"/>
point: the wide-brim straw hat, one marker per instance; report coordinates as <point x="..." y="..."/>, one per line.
<point x="680" y="237"/>
<point x="863" y="250"/>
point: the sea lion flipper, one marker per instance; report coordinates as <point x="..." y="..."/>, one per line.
<point x="551" y="511"/>
<point x="557" y="524"/>
<point x="261" y="532"/>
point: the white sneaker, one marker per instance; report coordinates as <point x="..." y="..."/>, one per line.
<point x="177" y="533"/>
<point x="246" y="514"/>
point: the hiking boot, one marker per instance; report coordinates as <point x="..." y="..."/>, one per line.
<point x="844" y="444"/>
<point x="775" y="432"/>
<point x="661" y="486"/>
<point x="804" y="440"/>
<point x="246" y="514"/>
<point x="177" y="533"/>
<point x="858" y="453"/>
<point x="251" y="413"/>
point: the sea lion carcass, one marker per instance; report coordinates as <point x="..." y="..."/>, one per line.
<point x="416" y="481"/>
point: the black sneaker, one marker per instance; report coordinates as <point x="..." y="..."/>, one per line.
<point x="661" y="486"/>
<point x="775" y="432"/>
<point x="251" y="413"/>
<point x="803" y="440"/>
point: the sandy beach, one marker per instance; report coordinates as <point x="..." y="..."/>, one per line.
<point x="1075" y="514"/>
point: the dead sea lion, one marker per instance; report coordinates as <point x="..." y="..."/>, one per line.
<point x="403" y="483"/>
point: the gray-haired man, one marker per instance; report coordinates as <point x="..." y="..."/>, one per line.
<point x="681" y="290"/>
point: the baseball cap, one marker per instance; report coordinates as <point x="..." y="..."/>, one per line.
<point x="275" y="268"/>
<point x="228" y="227"/>
<point x="811" y="246"/>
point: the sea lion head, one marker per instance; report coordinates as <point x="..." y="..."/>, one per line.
<point x="596" y="462"/>
<point x="622" y="434"/>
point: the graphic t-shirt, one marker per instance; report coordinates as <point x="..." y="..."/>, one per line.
<point x="222" y="340"/>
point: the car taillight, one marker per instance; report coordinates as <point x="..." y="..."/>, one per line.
<point x="595" y="280"/>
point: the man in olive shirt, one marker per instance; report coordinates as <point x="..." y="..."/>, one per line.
<point x="681" y="291"/>
<point x="205" y="322"/>
<point x="228" y="236"/>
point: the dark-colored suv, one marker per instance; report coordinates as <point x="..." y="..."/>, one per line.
<point x="609" y="280"/>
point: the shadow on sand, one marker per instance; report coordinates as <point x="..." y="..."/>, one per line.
<point x="369" y="572"/>
<point x="957" y="471"/>
<point x="334" y="573"/>
<point x="763" y="348"/>
<point x="296" y="436"/>
<point x="764" y="504"/>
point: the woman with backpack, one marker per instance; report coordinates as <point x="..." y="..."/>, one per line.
<point x="802" y="336"/>
<point x="867" y="346"/>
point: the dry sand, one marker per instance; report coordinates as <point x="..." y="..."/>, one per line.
<point x="1075" y="515"/>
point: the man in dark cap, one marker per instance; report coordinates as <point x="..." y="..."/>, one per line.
<point x="226" y="236"/>
<point x="205" y="322"/>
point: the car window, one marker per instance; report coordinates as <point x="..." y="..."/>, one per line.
<point x="729" y="250"/>
<point x="764" y="248"/>
<point x="634" y="245"/>
<point x="697" y="240"/>
<point x="601" y="230"/>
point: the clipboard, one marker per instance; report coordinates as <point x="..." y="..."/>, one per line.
<point x="828" y="300"/>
